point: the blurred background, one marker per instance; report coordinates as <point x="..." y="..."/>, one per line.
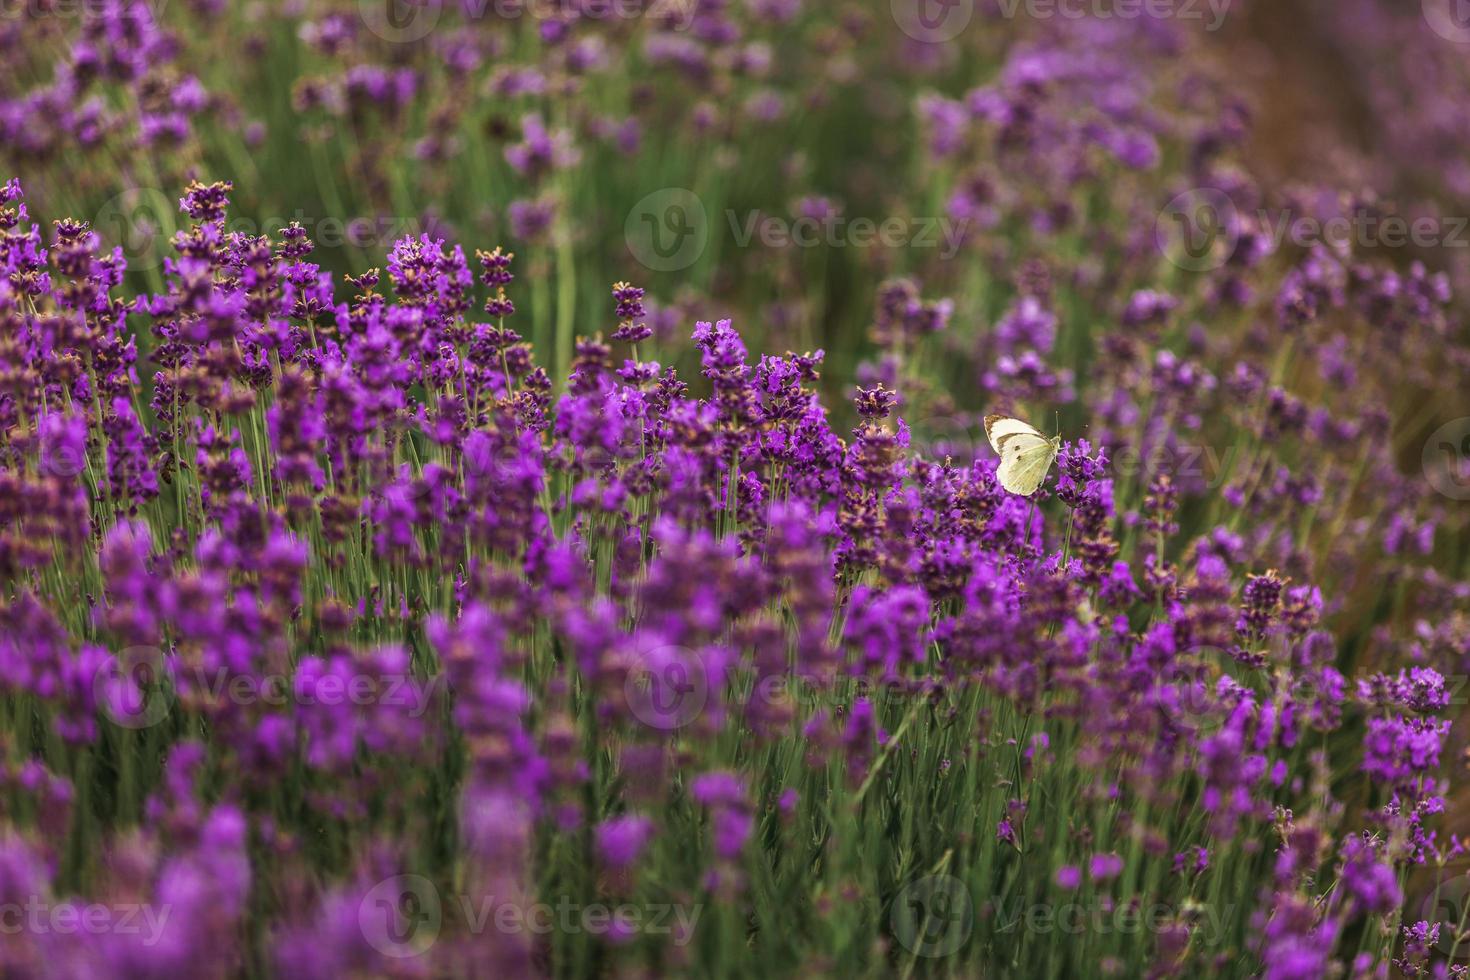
<point x="569" y="131"/>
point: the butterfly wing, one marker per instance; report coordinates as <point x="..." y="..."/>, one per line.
<point x="1002" y="430"/>
<point x="1022" y="470"/>
<point x="1025" y="454"/>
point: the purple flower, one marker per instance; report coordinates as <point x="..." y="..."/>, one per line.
<point x="1103" y="867"/>
<point x="541" y="150"/>
<point x="1398" y="750"/>
<point x="532" y="220"/>
<point x="620" y="840"/>
<point x="1370" y="884"/>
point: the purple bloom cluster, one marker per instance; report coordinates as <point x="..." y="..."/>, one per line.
<point x="424" y="621"/>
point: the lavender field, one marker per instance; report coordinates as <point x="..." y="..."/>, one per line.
<point x="503" y="488"/>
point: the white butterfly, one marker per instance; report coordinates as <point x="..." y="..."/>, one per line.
<point x="1025" y="454"/>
